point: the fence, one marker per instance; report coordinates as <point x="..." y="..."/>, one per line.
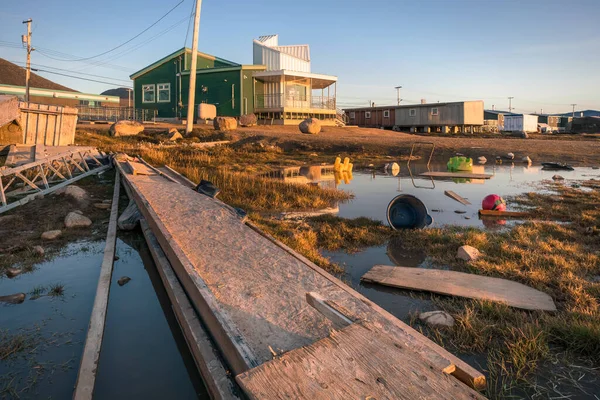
<point x="280" y="100"/>
<point x="114" y="114"/>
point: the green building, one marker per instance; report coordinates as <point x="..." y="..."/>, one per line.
<point x="163" y="86"/>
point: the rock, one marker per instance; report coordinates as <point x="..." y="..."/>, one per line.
<point x="103" y="206"/>
<point x="248" y="120"/>
<point x="126" y="128"/>
<point x="75" y="192"/>
<point x="510" y="156"/>
<point x="314" y="155"/>
<point x="39" y="250"/>
<point x="51" y="235"/>
<point x="130" y="217"/>
<point x="595" y="167"/>
<point x="526" y="160"/>
<point x="123" y="280"/>
<point x="481" y="160"/>
<point x="116" y="258"/>
<point x="437" y="318"/>
<point x="558" y="178"/>
<point x="467" y="253"/>
<point x="174" y="135"/>
<point x="460" y="211"/>
<point x="16" y="298"/>
<point x="310" y="126"/>
<point x="225" y="123"/>
<point x="12" y="272"/>
<point x="74" y="220"/>
<point x="522" y="135"/>
<point x="78" y="212"/>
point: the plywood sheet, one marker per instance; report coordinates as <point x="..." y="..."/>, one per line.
<point x="460" y="284"/>
<point x="357" y="362"/>
<point x="457" y="197"/>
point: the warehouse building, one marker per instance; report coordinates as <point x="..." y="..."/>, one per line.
<point x="462" y="116"/>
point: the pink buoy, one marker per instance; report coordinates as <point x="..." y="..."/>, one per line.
<point x="493" y="202"/>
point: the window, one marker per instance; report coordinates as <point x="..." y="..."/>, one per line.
<point x="412" y="112"/>
<point x="386" y="114"/>
<point x="352" y="115"/>
<point x="147" y="93"/>
<point x="164" y="92"/>
<point x="367" y="114"/>
<point x="434" y="111"/>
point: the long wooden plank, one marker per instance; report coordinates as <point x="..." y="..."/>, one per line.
<point x="370" y="364"/>
<point x="461" y="284"/>
<point x="463" y="175"/>
<point x="86" y="378"/>
<point x="211" y="367"/>
<point x="139" y="168"/>
<point x="504" y="214"/>
<point x="435" y="354"/>
<point x="457" y="197"/>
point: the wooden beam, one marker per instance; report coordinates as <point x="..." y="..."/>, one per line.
<point x="139" y="168"/>
<point x="457" y="197"/>
<point x="453" y="283"/>
<point x="328" y="310"/>
<point x="463" y="175"/>
<point x="504" y="214"/>
<point x="86" y="378"/>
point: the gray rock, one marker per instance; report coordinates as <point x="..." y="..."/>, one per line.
<point x="75" y="192"/>
<point x="310" y="126"/>
<point x="526" y="160"/>
<point x="126" y="128"/>
<point x="174" y="135"/>
<point x="225" y="123"/>
<point x="74" y="220"/>
<point x="481" y="160"/>
<point x="39" y="250"/>
<point x="248" y="120"/>
<point x="467" y="253"/>
<point x="130" y="217"/>
<point x="510" y="156"/>
<point x="558" y="178"/>
<point x="12" y="272"/>
<point x="437" y="318"/>
<point x="16" y="298"/>
<point x="51" y="235"/>
<point x="123" y="280"/>
<point x="103" y="206"/>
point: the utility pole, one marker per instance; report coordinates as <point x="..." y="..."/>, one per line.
<point x="510" y="104"/>
<point x="398" y="91"/>
<point x="192" y="93"/>
<point x="27" y="40"/>
<point x="573" y="105"/>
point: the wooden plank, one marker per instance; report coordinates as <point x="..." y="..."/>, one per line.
<point x="461" y="284"/>
<point x="504" y="214"/>
<point x="463" y="175"/>
<point x="357" y="362"/>
<point x="210" y="365"/>
<point x="137" y="168"/>
<point x="86" y="378"/>
<point x="324" y="307"/>
<point x="457" y="197"/>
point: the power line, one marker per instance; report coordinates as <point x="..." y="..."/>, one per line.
<point x="128" y="41"/>
<point x="187" y="32"/>
<point x="74" y="72"/>
<point x="78" y="77"/>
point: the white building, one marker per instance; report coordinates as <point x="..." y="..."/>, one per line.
<point x="288" y="92"/>
<point x="520" y="123"/>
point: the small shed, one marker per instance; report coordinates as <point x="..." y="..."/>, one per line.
<point x="521" y="123"/>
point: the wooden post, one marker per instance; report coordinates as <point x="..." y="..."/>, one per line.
<point x="189" y="126"/>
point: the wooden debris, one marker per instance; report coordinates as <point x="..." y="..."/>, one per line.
<point x="464" y="175"/>
<point x="457" y="197"/>
<point x="504" y="214"/>
<point x="139" y="168"/>
<point x="460" y="284"/>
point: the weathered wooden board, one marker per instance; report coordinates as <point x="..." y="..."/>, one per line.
<point x="139" y="168"/>
<point x="210" y="365"/>
<point x="86" y="378"/>
<point x="460" y="284"/>
<point x="463" y="175"/>
<point x="357" y="362"/>
<point x="457" y="197"/>
<point x="504" y="214"/>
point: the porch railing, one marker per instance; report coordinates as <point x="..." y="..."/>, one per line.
<point x="281" y="100"/>
<point x="114" y="114"/>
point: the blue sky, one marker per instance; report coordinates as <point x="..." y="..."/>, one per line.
<point x="544" y="53"/>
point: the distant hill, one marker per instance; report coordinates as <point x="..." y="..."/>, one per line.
<point x="12" y="74"/>
<point x="123" y="93"/>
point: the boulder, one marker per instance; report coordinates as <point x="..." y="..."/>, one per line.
<point x="174" y="135"/>
<point x="74" y="220"/>
<point x="123" y="280"/>
<point x="225" y="123"/>
<point x="75" y="192"/>
<point x="521" y="134"/>
<point x="481" y="160"/>
<point x="248" y="120"/>
<point x="12" y="272"/>
<point x="126" y="128"/>
<point x="558" y="178"/>
<point x="39" y="250"/>
<point x="16" y="298"/>
<point x="510" y="156"/>
<point x="51" y="235"/>
<point x="526" y="160"/>
<point x="437" y="318"/>
<point x="130" y="218"/>
<point x="310" y="126"/>
<point x="467" y="253"/>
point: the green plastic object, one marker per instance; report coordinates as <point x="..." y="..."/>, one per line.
<point x="460" y="164"/>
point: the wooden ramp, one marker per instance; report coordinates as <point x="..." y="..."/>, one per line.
<point x="460" y="284"/>
<point x="463" y="175"/>
<point x="250" y="290"/>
